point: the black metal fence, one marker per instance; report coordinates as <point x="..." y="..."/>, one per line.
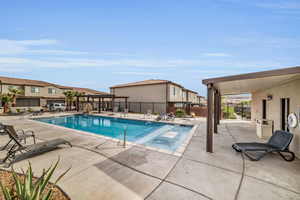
<point x="142" y="107"/>
<point x="234" y="111"/>
<point x="243" y="110"/>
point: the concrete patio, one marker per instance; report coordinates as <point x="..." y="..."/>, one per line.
<point x="102" y="169"/>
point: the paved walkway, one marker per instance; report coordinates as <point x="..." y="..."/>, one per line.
<point x="101" y="169"/>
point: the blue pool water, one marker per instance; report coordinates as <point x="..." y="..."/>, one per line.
<point x="154" y="134"/>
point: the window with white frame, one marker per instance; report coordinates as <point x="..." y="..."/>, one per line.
<point x="35" y="90"/>
<point x="51" y="91"/>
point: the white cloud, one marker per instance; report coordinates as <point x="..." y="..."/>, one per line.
<point x="216" y="54"/>
<point x="265" y="42"/>
<point x="139" y="73"/>
<point x="20" y="63"/>
<point x="24" y="47"/>
<point x="35" y="42"/>
<point x="54" y="52"/>
<point x="280" y="5"/>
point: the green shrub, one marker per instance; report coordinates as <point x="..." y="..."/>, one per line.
<point x="228" y="112"/>
<point x="18" y="110"/>
<point x="28" y="188"/>
<point x="180" y="113"/>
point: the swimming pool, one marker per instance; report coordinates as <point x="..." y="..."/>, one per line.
<point x="154" y="134"/>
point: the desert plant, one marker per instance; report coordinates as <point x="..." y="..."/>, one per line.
<point x="69" y="98"/>
<point x="180" y="113"/>
<point x="14" y="93"/>
<point x="6" y="99"/>
<point x="28" y="188"/>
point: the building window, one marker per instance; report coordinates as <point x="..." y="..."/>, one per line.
<point x="12" y="87"/>
<point x="51" y="91"/>
<point x="174" y="91"/>
<point x="35" y="90"/>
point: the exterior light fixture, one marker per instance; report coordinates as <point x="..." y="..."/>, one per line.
<point x="269" y="97"/>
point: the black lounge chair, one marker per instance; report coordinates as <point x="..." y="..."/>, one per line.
<point x="2" y="131"/>
<point x="19" y="152"/>
<point x="279" y="143"/>
<point x="20" y="135"/>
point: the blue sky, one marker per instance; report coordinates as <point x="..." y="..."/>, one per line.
<point x="98" y="44"/>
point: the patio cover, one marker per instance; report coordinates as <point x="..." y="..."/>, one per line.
<point x="240" y="84"/>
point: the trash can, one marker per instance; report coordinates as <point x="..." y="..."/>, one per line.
<point x="264" y="128"/>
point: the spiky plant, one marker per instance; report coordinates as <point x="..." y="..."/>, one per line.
<point x="69" y="98"/>
<point x="28" y="188"/>
<point x="14" y="93"/>
<point x="6" y="99"/>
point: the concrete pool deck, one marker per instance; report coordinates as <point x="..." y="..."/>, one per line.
<point x="102" y="169"/>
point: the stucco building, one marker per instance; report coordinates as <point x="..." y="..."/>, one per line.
<point x="275" y="96"/>
<point x="37" y="94"/>
<point x="157" y="95"/>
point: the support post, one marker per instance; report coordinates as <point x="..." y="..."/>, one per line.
<point x="113" y="103"/>
<point x="152" y="107"/>
<point x="140" y="107"/>
<point x="93" y="103"/>
<point x="99" y="105"/>
<point x="77" y="103"/>
<point x="209" y="125"/>
<point x="215" y="111"/>
<point x="220" y="108"/>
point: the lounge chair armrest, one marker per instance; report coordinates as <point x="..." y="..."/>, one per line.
<point x="20" y="131"/>
<point x="29" y="131"/>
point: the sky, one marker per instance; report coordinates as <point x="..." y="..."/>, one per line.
<point x="98" y="44"/>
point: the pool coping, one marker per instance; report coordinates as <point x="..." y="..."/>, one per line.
<point x="179" y="151"/>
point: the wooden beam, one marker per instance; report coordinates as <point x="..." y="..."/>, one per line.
<point x="263" y="74"/>
<point x="220" y="107"/>
<point x="209" y="120"/>
<point x="99" y="105"/>
<point x="77" y="104"/>
<point x="112" y="103"/>
<point x="215" y="110"/>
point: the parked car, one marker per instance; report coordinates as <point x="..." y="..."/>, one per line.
<point x="57" y="107"/>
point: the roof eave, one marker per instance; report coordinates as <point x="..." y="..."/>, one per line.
<point x="262" y="74"/>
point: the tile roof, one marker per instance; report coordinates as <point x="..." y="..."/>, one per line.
<point x="145" y="82"/>
<point x="87" y="90"/>
<point x="21" y="81"/>
<point x="150" y="82"/>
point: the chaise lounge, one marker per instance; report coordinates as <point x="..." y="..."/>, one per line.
<point x="20" y="135"/>
<point x="19" y="152"/>
<point x="278" y="143"/>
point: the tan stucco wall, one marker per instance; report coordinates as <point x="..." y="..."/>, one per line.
<point x="145" y="93"/>
<point x="180" y="94"/>
<point x="288" y="90"/>
<point x="5" y="88"/>
<point x="44" y="92"/>
<point x="193" y="97"/>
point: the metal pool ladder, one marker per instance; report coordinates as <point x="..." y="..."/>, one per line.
<point x="124" y="137"/>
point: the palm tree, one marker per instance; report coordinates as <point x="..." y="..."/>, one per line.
<point x="78" y="94"/>
<point x="14" y="93"/>
<point x="6" y="100"/>
<point x="69" y="98"/>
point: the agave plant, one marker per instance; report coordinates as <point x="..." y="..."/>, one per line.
<point x="28" y="188"/>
